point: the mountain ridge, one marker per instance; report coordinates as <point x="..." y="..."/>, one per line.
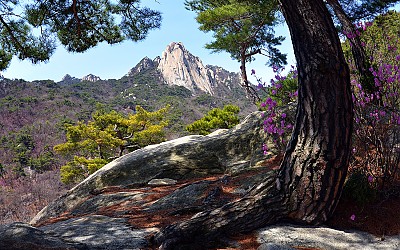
<point x="40" y="109"/>
<point x="178" y="66"/>
<point x="34" y="115"/>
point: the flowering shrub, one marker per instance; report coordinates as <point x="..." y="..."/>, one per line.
<point x="376" y="138"/>
<point x="279" y="107"/>
<point x="377" y="126"/>
<point x="376" y="134"/>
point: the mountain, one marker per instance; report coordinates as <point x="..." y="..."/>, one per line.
<point x="144" y="65"/>
<point x="33" y="115"/>
<point x="67" y="79"/>
<point x="38" y="109"/>
<point x="177" y="66"/>
<point x="90" y="78"/>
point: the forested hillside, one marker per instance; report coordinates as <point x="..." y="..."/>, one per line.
<point x="33" y="115"/>
<point x="38" y="109"/>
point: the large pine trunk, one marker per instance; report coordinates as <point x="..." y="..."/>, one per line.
<point x="308" y="185"/>
<point x="316" y="160"/>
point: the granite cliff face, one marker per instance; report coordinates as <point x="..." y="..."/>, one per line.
<point x="177" y="66"/>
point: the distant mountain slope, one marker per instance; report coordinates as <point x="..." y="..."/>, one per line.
<point x="39" y="109"/>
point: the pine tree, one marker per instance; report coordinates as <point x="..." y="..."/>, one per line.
<point x="107" y="136"/>
<point x="77" y="25"/>
<point x="366" y="9"/>
<point x="243" y="29"/>
<point x="217" y="118"/>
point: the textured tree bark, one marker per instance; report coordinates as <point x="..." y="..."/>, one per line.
<point x="264" y="207"/>
<point x="315" y="163"/>
<point x="308" y="184"/>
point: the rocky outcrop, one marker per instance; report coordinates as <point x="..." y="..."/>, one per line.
<point x="123" y="204"/>
<point x="100" y="232"/>
<point x="92" y="232"/>
<point x="286" y="236"/>
<point x="91" y="78"/>
<point x="68" y="79"/>
<point x="21" y="236"/>
<point x="225" y="83"/>
<point x="96" y="232"/>
<point x="227" y="152"/>
<point x="145" y="64"/>
<point x="4" y="86"/>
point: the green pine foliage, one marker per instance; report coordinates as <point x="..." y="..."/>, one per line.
<point x="79" y="168"/>
<point x="241" y="28"/>
<point x="217" y="118"/>
<point x="366" y="9"/>
<point x="287" y="85"/>
<point x="32" y="29"/>
<point x="107" y="136"/>
<point x="25" y="153"/>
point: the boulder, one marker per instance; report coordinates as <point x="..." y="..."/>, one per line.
<point x="226" y="152"/>
<point x="21" y="236"/>
<point x="93" y="204"/>
<point x="290" y="236"/>
<point x="100" y="232"/>
<point x="183" y="198"/>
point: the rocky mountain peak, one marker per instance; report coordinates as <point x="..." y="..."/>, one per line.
<point x="91" y="78"/>
<point x="175" y="46"/>
<point x="68" y="79"/>
<point x="144" y="64"/>
<point x="179" y="67"/>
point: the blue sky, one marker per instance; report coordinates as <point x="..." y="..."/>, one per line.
<point x="114" y="61"/>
